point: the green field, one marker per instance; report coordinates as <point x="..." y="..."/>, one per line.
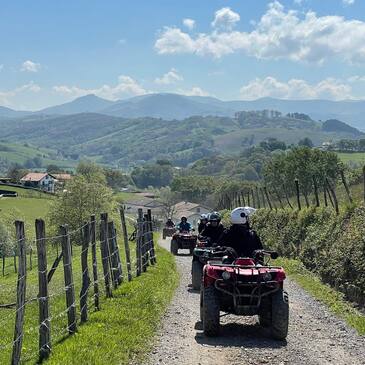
<point x="20" y="153"/>
<point x="356" y="157"/>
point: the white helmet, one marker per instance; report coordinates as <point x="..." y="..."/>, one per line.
<point x="203" y="216"/>
<point x="240" y="215"/>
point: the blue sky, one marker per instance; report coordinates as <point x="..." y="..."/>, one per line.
<point x="52" y="52"/>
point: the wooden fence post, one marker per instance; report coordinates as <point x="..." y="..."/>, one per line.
<point x="315" y="190"/>
<point x="119" y="261"/>
<point x="21" y="292"/>
<point x="139" y="241"/>
<point x="94" y="260"/>
<point x="69" y="284"/>
<point x="113" y="254"/>
<point x="43" y="302"/>
<point x="263" y="197"/>
<point x="279" y="198"/>
<point x="248" y="198"/>
<point x="298" y="193"/>
<point x="243" y="198"/>
<point x="287" y="197"/>
<point x="333" y="193"/>
<point x="325" y="194"/>
<point x="267" y="197"/>
<point x="363" y="179"/>
<point x="85" y="272"/>
<point x="146" y="242"/>
<point x="152" y="253"/>
<point x="258" y="197"/>
<point x="126" y="242"/>
<point x="104" y="248"/>
<point x="346" y="186"/>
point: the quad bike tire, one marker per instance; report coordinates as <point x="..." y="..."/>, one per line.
<point x="211" y="308"/>
<point x="265" y="312"/>
<point x="201" y="305"/>
<point x="196" y="274"/>
<point x="174" y="247"/>
<point x="279" y="314"/>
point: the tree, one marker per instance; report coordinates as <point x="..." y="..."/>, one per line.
<point x="80" y="199"/>
<point x="92" y="172"/>
<point x="53" y="169"/>
<point x="306" y="142"/>
<point x="116" y="179"/>
<point x="155" y="175"/>
<point x="16" y="172"/>
<point x="168" y="199"/>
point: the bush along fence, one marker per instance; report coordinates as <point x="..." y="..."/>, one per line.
<point x="58" y="309"/>
<point x="316" y="224"/>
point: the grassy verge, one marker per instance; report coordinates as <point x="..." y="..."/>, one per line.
<point x="324" y="293"/>
<point x="124" y="328"/>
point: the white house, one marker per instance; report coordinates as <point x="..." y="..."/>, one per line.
<point x="38" y="180"/>
<point x="191" y="211"/>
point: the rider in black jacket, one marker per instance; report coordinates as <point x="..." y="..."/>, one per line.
<point x="239" y="235"/>
<point x="214" y="228"/>
<point x="202" y="223"/>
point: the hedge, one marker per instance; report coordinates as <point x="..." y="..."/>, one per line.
<point x="332" y="246"/>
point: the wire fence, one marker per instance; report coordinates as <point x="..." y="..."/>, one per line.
<point x="42" y="307"/>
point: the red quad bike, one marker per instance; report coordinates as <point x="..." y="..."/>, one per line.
<point x="245" y="287"/>
<point x="183" y="240"/>
<point x="168" y="232"/>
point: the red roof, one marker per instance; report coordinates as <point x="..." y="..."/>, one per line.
<point x="34" y="176"/>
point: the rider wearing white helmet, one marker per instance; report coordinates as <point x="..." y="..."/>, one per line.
<point x="202" y="223"/>
<point x="239" y="236"/>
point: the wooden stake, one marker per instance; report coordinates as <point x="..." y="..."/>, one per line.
<point x="267" y="197"/>
<point x="139" y="241"/>
<point x="69" y="284"/>
<point x="153" y="254"/>
<point x="346" y="186"/>
<point x="85" y="272"/>
<point x="43" y="301"/>
<point x="21" y="292"/>
<point x="126" y="243"/>
<point x="298" y="193"/>
<point x="315" y="190"/>
<point x="105" y="254"/>
<point x="94" y="260"/>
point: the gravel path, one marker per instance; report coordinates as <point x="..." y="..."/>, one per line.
<point x="315" y="335"/>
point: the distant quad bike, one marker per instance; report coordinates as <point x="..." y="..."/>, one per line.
<point x="183" y="240"/>
<point x="245" y="287"/>
<point x="168" y="232"/>
<point x="201" y="255"/>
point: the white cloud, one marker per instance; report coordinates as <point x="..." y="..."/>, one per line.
<point x="170" y="77"/>
<point x="225" y="18"/>
<point x="189" y="23"/>
<point x="7" y="98"/>
<point x="356" y="78"/>
<point x="194" y="91"/>
<point x="280" y="34"/>
<point x="126" y="86"/>
<point x="348" y="2"/>
<point x="30" y="66"/>
<point x="329" y="88"/>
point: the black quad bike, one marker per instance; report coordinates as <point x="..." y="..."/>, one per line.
<point x="245" y="287"/>
<point x="168" y="231"/>
<point x="203" y="253"/>
<point x="183" y="240"/>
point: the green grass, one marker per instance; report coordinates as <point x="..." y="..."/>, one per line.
<point x="357" y="157"/>
<point x="123" y="329"/>
<point x="324" y="293"/>
<point x="20" y="153"/>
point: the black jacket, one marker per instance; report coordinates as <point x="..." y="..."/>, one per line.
<point x="213" y="233"/>
<point x="242" y="239"/>
<point x="201" y="227"/>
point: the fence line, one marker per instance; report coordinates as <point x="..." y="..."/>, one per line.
<point x="50" y="314"/>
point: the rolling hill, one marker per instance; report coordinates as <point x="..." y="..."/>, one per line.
<point x="123" y="142"/>
<point x="175" y="106"/>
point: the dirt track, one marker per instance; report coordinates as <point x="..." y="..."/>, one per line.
<point x="315" y="335"/>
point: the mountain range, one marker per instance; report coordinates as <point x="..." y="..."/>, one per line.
<point x="175" y="106"/>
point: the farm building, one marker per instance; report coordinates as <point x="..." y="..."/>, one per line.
<point x="42" y="181"/>
<point x="191" y="211"/>
<point x="61" y="180"/>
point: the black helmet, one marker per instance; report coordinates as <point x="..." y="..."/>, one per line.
<point x="183" y="218"/>
<point x="215" y="216"/>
